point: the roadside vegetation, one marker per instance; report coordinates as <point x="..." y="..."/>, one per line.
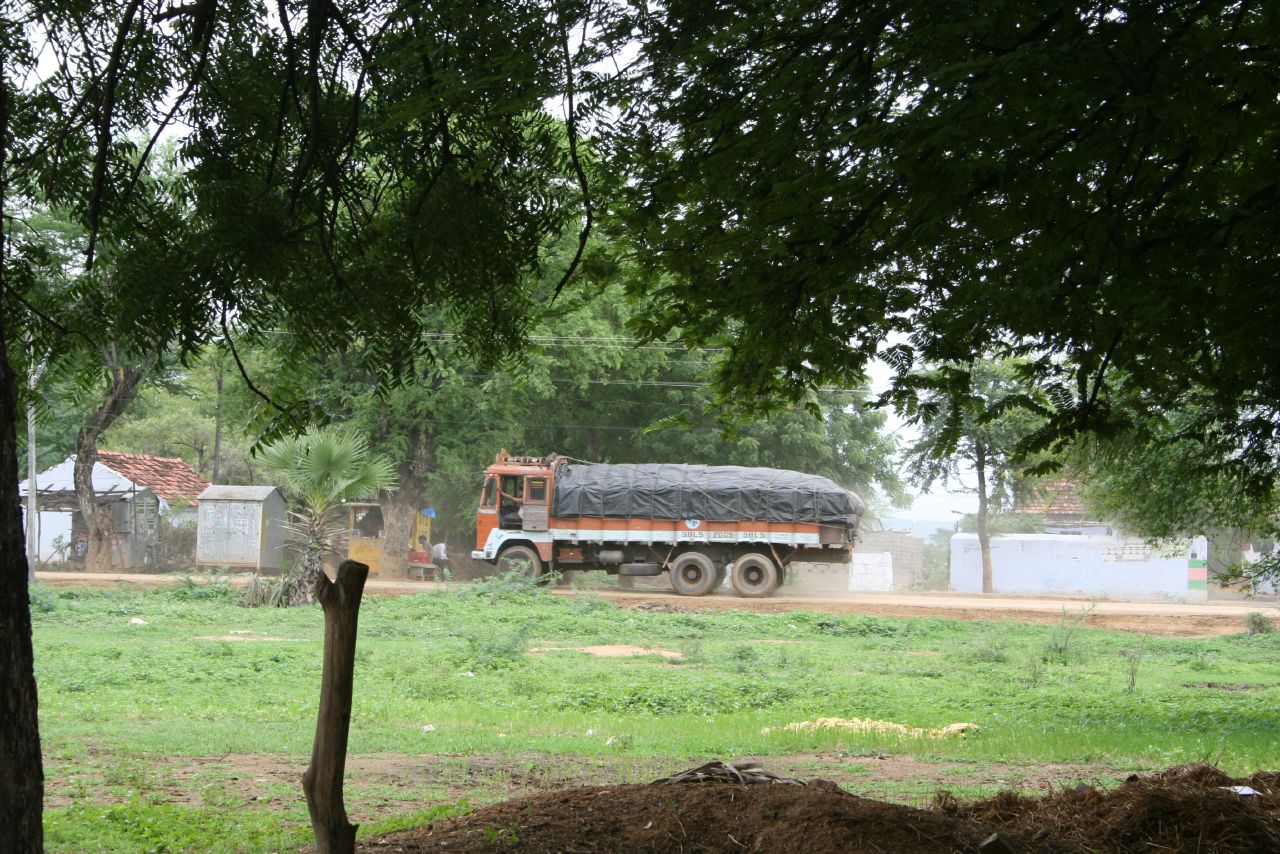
<point x="176" y="719"/>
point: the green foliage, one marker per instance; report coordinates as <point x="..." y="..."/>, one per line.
<point x="327" y="466"/>
<point x="1258" y="623"/>
<point x="273" y="591"/>
<point x="937" y="561"/>
<point x="1169" y="477"/>
<point x="207" y="587"/>
<point x="975" y="417"/>
<point x="814" y="186"/>
<point x="515" y="584"/>
<point x="42" y="598"/>
<point x="493" y="648"/>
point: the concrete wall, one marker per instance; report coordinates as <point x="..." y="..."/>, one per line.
<point x="1065" y="565"/>
<point x="906" y="550"/>
<point x="871" y="572"/>
<point x="882" y="561"/>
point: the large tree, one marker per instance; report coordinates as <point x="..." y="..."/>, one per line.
<point x="349" y="164"/>
<point x="976" y="419"/>
<point x="1091" y="185"/>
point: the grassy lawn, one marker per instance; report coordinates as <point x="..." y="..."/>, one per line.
<point x="189" y="731"/>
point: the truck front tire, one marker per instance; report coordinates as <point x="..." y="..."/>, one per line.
<point x="693" y="574"/>
<point x="520" y="559"/>
<point x="755" y="575"/>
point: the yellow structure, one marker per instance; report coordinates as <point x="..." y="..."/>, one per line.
<point x="365" y="541"/>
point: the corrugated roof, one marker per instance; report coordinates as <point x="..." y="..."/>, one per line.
<point x="226" y="492"/>
<point x="1053" y="498"/>
<point x="168" y="477"/>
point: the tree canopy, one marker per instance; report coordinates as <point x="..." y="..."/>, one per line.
<point x="805" y="185"/>
<point x="1091" y="186"/>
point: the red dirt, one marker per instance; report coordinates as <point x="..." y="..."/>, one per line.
<point x="1183" y="809"/>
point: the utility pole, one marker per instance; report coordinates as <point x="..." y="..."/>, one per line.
<point x="33" y="502"/>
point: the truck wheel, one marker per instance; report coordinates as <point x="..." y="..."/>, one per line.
<point x="693" y="574"/>
<point x="520" y="559"/>
<point x="755" y="575"/>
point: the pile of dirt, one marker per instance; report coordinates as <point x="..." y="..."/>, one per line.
<point x="1184" y="809"/>
<point x="1188" y="808"/>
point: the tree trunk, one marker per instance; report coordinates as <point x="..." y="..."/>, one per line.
<point x="97" y="518"/>
<point x="310" y="571"/>
<point x="322" y="781"/>
<point x="984" y="533"/>
<point x="21" y="774"/>
<point x="400" y="506"/>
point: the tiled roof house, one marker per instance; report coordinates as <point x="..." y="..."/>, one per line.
<point x="1053" y="498"/>
<point x="168" y="477"/>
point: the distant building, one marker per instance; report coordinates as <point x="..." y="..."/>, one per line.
<point x="139" y="489"/>
<point x="1058" y="502"/>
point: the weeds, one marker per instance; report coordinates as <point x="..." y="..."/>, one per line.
<point x="510" y="586"/>
<point x="493" y="649"/>
<point x="1058" y="646"/>
<point x="276" y="591"/>
<point x="42" y="598"/>
<point x="1258" y="623"/>
<point x="1134" y="660"/>
<point x="989" y="649"/>
<point x="203" y="588"/>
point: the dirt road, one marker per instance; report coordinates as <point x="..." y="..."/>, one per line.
<point x="1154" y="618"/>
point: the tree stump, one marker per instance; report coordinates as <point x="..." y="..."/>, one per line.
<point x="322" y="781"/>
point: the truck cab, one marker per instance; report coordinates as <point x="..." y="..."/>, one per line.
<point x="514" y="503"/>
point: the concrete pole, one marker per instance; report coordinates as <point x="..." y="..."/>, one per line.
<point x="1198" y="570"/>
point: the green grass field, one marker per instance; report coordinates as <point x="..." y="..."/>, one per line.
<point x="185" y="734"/>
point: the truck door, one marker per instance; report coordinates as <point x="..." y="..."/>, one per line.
<point x="535" y="503"/>
<point x="487" y="514"/>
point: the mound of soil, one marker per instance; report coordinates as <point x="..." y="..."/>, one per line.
<point x="1184" y="809"/>
<point x="1188" y="808"/>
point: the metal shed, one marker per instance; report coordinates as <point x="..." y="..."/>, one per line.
<point x="241" y="527"/>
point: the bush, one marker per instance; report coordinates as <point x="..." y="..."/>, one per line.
<point x="1258" y="623"/>
<point x="275" y="592"/>
<point x="42" y="598"/>
<point x="494" y="649"/>
<point x="207" y="588"/>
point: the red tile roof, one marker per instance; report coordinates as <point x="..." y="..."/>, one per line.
<point x="1052" y="498"/>
<point x="168" y="477"/>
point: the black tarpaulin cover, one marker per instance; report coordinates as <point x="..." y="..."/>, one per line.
<point x="713" y="493"/>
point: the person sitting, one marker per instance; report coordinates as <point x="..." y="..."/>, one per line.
<point x="509" y="516"/>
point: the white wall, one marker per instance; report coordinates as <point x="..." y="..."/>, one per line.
<point x="51" y="525"/>
<point x="871" y="572"/>
<point x="1065" y="565"/>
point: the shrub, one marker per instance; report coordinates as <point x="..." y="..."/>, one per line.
<point x="275" y="592"/>
<point x="42" y="598"/>
<point x="1258" y="623"/>
<point x="206" y="588"/>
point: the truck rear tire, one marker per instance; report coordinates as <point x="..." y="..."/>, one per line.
<point x="693" y="574"/>
<point x="755" y="575"/>
<point x="520" y="559"/>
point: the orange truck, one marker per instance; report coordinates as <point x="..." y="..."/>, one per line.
<point x="697" y="523"/>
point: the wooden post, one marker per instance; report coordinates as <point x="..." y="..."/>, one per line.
<point x="322" y="781"/>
